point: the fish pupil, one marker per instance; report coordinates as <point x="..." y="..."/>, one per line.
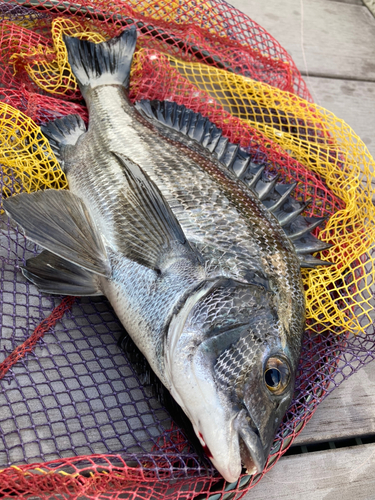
<point x="272" y="377"/>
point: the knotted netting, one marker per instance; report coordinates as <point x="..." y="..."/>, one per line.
<point x="75" y="420"/>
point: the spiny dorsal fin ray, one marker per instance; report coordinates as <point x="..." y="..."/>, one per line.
<point x="281" y="196"/>
<point x="309" y="261"/>
<point x="310" y="244"/>
<point x="285" y="217"/>
<point x="276" y="197"/>
<point x="301" y="230"/>
<point x="252" y="176"/>
<point x="263" y="189"/>
<point x="240" y="164"/>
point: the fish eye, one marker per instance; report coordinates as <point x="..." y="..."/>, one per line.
<point x="272" y="378"/>
<point x="276" y="375"/>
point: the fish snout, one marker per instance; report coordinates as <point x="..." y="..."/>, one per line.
<point x="238" y="441"/>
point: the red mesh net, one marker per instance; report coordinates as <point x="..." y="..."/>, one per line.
<point x="75" y="420"/>
<point x="211" y="32"/>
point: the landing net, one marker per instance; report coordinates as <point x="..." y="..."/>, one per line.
<point x="75" y="420"/>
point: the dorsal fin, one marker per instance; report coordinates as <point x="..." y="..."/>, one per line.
<point x="275" y="196"/>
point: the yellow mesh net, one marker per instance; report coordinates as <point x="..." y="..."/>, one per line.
<point x="338" y="297"/>
<point x="28" y="162"/>
<point x="335" y="152"/>
<point x="48" y="66"/>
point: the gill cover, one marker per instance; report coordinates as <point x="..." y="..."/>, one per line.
<point x="228" y="371"/>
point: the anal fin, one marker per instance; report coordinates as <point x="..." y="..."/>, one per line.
<point x="52" y="274"/>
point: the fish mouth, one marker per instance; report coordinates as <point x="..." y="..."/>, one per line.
<point x="252" y="451"/>
<point x="252" y="463"/>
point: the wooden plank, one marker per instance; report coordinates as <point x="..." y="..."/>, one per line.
<point x="341" y="474"/>
<point x="347" y="412"/>
<point x="352" y="101"/>
<point x="338" y="38"/>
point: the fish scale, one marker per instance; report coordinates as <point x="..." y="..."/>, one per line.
<point x="164" y="217"/>
<point x="249" y="243"/>
<point x="188" y="189"/>
<point x="186" y="183"/>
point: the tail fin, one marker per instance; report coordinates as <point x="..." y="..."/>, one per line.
<point x="102" y="63"/>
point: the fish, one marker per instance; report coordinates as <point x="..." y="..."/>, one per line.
<point x="198" y="251"/>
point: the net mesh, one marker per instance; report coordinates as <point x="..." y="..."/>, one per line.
<point x="75" y="420"/>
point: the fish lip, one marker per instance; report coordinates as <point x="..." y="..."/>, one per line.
<point x="252" y="441"/>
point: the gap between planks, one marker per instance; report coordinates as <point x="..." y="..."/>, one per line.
<point x="354" y="2"/>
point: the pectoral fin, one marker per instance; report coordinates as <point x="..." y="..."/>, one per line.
<point x="59" y="222"/>
<point x="154" y="236"/>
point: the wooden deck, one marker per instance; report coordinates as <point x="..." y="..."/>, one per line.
<point x="333" y="45"/>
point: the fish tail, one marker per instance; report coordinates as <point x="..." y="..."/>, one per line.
<point x="106" y="63"/>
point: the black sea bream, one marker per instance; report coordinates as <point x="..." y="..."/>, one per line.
<point x="198" y="253"/>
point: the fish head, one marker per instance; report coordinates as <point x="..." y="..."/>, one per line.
<point x="231" y="368"/>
